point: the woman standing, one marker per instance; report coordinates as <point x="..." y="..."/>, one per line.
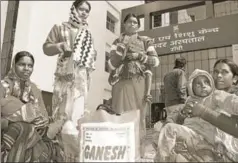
<point x="132" y="56"/>
<point x="24" y="116"/>
<point x="73" y="42"/>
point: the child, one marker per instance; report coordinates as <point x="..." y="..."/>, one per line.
<point x="200" y="140"/>
<point x="203" y="90"/>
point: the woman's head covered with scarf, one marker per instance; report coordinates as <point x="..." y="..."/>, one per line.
<point x="22" y="66"/>
<point x="17" y="81"/>
<point x="79" y="13"/>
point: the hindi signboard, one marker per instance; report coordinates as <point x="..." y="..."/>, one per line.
<point x="198" y="35"/>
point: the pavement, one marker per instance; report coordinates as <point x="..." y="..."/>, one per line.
<point x="149" y="149"/>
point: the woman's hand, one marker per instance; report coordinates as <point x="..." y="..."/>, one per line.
<point x="4" y="123"/>
<point x="148" y="98"/>
<point x="67" y="54"/>
<point x="66" y="49"/>
<point x="40" y="122"/>
<point x="193" y="109"/>
<point x="132" y="56"/>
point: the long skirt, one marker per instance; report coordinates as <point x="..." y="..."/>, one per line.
<point x="178" y="143"/>
<point x="22" y="143"/>
<point x="129" y="95"/>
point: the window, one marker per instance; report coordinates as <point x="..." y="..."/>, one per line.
<point x="222" y="8"/>
<point x="142" y="24"/>
<point x="192" y="14"/>
<point x="156" y="20"/>
<point x="111" y="23"/>
<point x="165" y="19"/>
<point x="107" y="56"/>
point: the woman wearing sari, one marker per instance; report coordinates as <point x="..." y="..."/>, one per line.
<point x="73" y="43"/>
<point x="225" y="77"/>
<point x="131" y="58"/>
<point x="178" y="143"/>
<point x="24" y="116"/>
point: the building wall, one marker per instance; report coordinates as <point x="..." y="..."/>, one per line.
<point x="194" y="15"/>
<point x="36" y="18"/>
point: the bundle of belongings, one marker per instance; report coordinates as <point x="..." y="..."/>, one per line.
<point x="103" y="136"/>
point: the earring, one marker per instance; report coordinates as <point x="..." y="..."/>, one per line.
<point x="235" y="80"/>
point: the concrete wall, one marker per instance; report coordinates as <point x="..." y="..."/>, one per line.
<point x="36" y="18"/>
<point x="220" y="42"/>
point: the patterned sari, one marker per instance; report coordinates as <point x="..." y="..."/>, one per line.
<point x="22" y="106"/>
<point x="197" y="140"/>
<point x="72" y="77"/>
<point x="73" y="74"/>
<point x="128" y="78"/>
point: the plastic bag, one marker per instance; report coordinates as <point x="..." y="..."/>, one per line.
<point x="107" y="137"/>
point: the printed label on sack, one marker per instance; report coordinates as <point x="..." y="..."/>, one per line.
<point x="107" y="142"/>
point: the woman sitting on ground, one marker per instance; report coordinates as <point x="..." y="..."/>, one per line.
<point x="24" y="116"/>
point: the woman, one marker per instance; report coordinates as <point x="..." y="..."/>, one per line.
<point x="225" y="75"/>
<point x="227" y="123"/>
<point x="196" y="139"/>
<point x="132" y="57"/>
<point x="76" y="61"/>
<point x="73" y="42"/>
<point x="25" y="117"/>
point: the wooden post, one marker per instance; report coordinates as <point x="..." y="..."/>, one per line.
<point x="9" y="36"/>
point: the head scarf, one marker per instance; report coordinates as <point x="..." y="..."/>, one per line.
<point x="24" y="94"/>
<point x="84" y="53"/>
<point x="195" y="74"/>
<point x="74" y="18"/>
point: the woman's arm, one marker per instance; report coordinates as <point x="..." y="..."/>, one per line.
<point x="117" y="54"/>
<point x="42" y="119"/>
<point x="52" y="45"/>
<point x="14" y="110"/>
<point x="151" y="57"/>
<point x="226" y="123"/>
